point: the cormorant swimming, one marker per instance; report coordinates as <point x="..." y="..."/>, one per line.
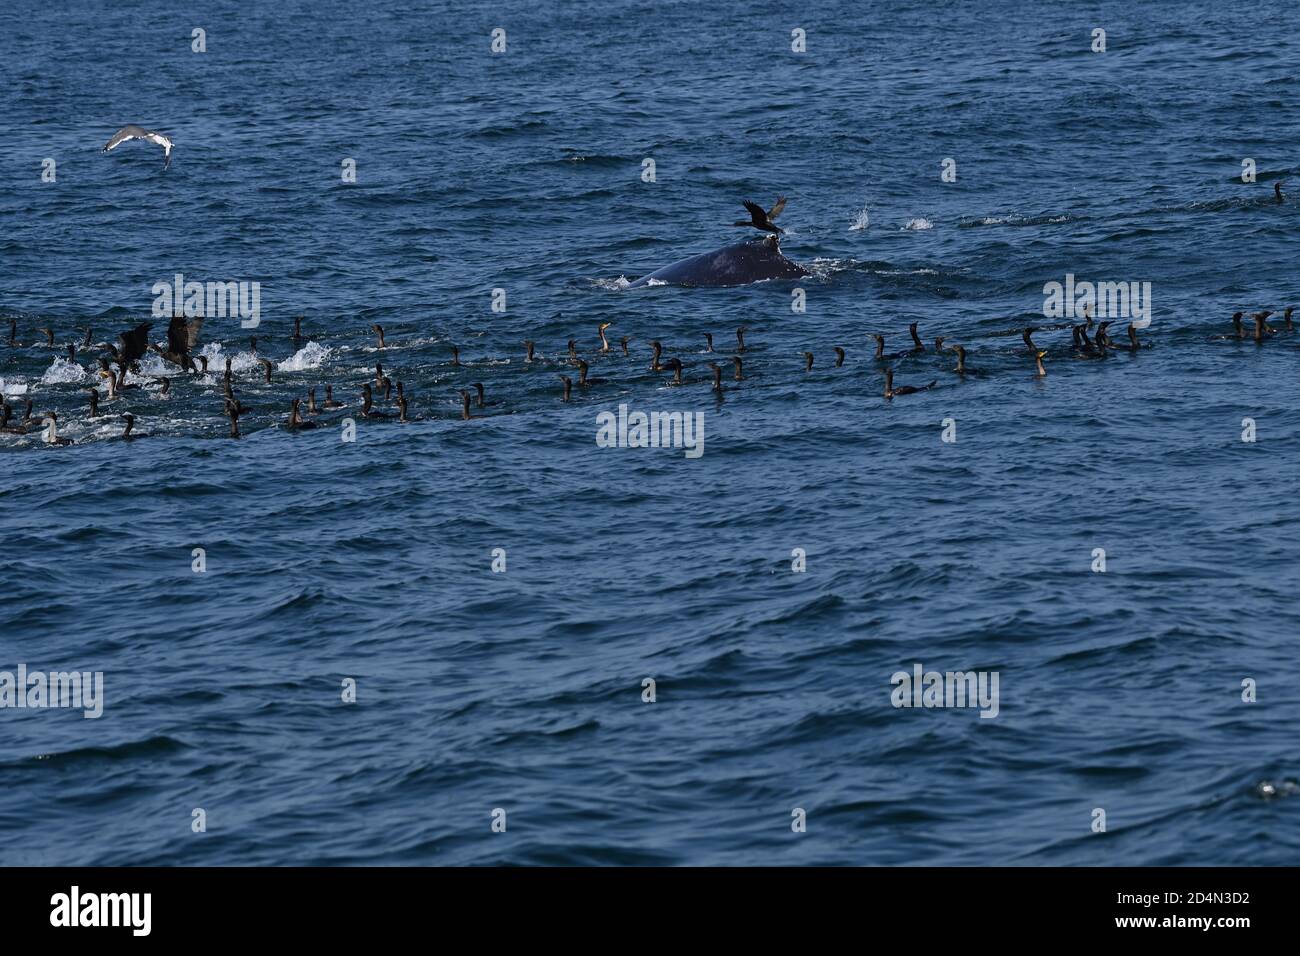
<point x="890" y="391"/>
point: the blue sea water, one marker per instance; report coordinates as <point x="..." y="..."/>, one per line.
<point x="372" y="560"/>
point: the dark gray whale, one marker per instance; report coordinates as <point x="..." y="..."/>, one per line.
<point x="738" y="264"/>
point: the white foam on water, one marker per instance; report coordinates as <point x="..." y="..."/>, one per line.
<point x="239" y="362"/>
<point x="61" y="370"/>
<point x="860" y="221"/>
<point x="918" y="224"/>
<point x="153" y="365"/>
<point x="311" y="355"/>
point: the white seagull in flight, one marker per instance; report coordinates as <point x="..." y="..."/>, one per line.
<point x="136" y="132"/>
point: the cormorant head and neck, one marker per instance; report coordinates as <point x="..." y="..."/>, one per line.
<point x="916" y="339"/>
<point x="1102" y="338"/>
<point x="717" y="376"/>
<point x="478" y="387"/>
<point x="839" y="356"/>
<point x="529" y="345"/>
<point x="708" y="341"/>
<point x="880" y="346"/>
<point x="961" y="358"/>
<point x="568" y="387"/>
<point x="807" y="361"/>
<point x="740" y="339"/>
<point x="739" y="375"/>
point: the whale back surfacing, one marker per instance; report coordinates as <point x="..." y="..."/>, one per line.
<point x="738" y="264"/>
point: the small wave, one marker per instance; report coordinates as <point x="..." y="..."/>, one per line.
<point x="1012" y="220"/>
<point x="144" y="747"/>
<point x="603" y="160"/>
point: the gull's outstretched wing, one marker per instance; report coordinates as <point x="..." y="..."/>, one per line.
<point x="125" y="133"/>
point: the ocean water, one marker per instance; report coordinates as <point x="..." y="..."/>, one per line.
<point x="371" y="560"/>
